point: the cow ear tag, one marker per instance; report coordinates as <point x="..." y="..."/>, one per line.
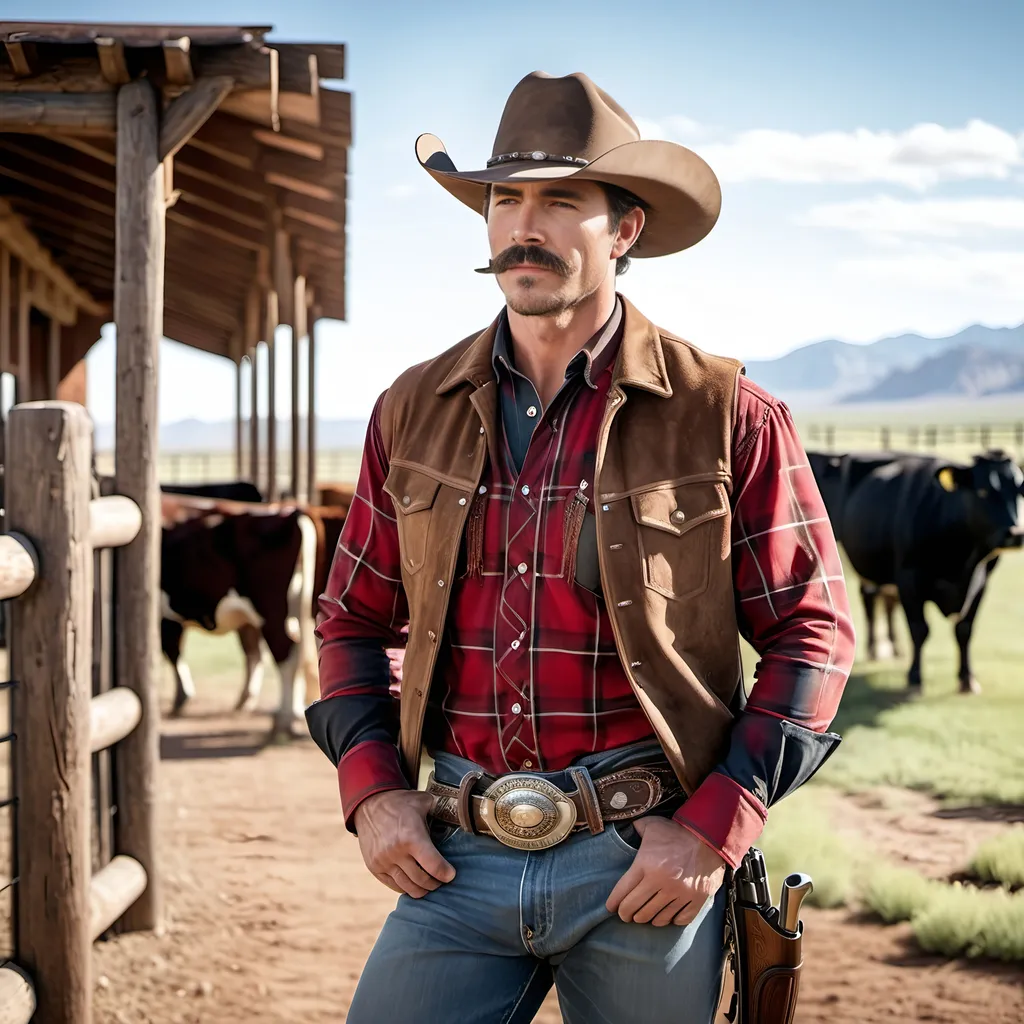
<point x="946" y="479"/>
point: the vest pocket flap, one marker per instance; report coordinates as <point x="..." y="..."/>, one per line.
<point x="410" y="489"/>
<point x="678" y="509"/>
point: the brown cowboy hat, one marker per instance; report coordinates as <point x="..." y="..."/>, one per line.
<point x="558" y="128"/>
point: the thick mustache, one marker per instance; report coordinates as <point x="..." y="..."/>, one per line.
<point x="518" y="255"/>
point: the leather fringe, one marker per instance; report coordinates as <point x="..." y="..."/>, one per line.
<point x="574" y="513"/>
<point x="475" y="537"/>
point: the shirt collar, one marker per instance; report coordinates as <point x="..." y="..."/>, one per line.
<point x="590" y="360"/>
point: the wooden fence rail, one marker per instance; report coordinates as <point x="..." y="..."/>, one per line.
<point x="46" y="567"/>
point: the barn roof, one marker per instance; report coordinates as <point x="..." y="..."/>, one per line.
<point x="267" y="169"/>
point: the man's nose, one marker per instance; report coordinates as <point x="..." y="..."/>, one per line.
<point x="527" y="230"/>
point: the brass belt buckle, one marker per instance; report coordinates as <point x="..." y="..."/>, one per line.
<point x="527" y="813"/>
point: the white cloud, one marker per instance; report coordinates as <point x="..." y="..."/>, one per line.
<point x="981" y="274"/>
<point x="885" y="217"/>
<point x="918" y="158"/>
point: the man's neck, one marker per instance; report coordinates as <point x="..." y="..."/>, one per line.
<point x="543" y="345"/>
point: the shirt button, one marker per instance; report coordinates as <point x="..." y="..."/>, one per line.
<point x="406" y="500"/>
<point x="482" y="489"/>
<point x="440" y="583"/>
<point x="678" y="516"/>
<point x="432" y="635"/>
<point x="516" y="708"/>
<point x="462" y="501"/>
<point x="481" y="430"/>
<point x="604" y="508"/>
<point x="522" y="567"/>
<point x="514" y="645"/>
<point x="527" y="763"/>
<point x="526" y="489"/>
<point x="532" y="411"/>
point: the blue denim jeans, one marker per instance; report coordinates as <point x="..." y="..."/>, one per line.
<point x="486" y="947"/>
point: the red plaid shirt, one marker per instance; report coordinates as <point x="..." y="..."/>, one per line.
<point x="528" y="676"/>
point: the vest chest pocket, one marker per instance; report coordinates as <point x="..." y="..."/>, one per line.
<point x="413" y="493"/>
<point x="679" y="530"/>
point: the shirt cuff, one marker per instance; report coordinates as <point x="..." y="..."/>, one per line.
<point x="368" y="768"/>
<point x="723" y="815"/>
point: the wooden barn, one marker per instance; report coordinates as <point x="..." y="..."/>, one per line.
<point x="178" y="181"/>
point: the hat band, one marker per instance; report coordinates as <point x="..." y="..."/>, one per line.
<point x="536" y="154"/>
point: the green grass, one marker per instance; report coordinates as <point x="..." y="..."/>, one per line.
<point x="965" y="749"/>
<point x="962" y="921"/>
<point x="1001" y="859"/>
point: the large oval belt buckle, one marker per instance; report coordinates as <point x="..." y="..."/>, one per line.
<point x="527" y="813"/>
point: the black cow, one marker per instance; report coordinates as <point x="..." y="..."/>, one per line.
<point x="232" y="490"/>
<point x="928" y="526"/>
<point x="228" y="566"/>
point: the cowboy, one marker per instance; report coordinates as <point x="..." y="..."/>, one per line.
<point x="577" y="514"/>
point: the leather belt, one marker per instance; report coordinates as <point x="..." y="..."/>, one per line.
<point x="528" y="812"/>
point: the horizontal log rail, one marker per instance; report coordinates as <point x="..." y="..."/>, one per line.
<point x="112" y="891"/>
<point x="113" y="521"/>
<point x="17" y="996"/>
<point x="112" y="715"/>
<point x="19" y="565"/>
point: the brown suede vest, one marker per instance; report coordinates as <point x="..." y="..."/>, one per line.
<point x="663" y="481"/>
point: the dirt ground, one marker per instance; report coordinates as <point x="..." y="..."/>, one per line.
<point x="270" y="913"/>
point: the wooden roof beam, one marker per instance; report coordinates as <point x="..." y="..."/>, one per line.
<point x="113" y="65"/>
<point x="22" y="57"/>
<point x="19" y="239"/>
<point x="44" y="112"/>
<point x="177" y="60"/>
<point x="190" y="111"/>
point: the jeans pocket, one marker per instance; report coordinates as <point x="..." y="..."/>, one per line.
<point x="441" y="832"/>
<point x="625" y="836"/>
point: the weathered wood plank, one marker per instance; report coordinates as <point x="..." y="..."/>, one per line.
<point x="19" y="565"/>
<point x="85" y="111"/>
<point x="5" y="307"/>
<point x="47" y="493"/>
<point x="22" y="336"/>
<point x="17" y="996"/>
<point x="138" y="313"/>
<point x="112" y="715"/>
<point x="189" y="111"/>
<point x="113" y="65"/>
<point x="114" y="891"/>
<point x="22" y="57"/>
<point x="114" y="521"/>
<point x="177" y="61"/>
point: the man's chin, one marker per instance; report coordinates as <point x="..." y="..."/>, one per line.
<point x="531" y="302"/>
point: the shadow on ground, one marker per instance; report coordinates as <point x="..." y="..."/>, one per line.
<point x="185" y="746"/>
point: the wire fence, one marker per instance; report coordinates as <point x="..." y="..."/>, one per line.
<point x="956" y="441"/>
<point x="341" y="465"/>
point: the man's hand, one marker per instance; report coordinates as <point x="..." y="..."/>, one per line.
<point x="395" y="843"/>
<point x="672" y="877"/>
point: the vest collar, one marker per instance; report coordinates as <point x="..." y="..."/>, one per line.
<point x="640" y="362"/>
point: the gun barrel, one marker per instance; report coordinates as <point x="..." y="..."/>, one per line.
<point x="795" y="889"/>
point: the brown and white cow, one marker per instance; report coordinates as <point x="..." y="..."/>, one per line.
<point x="234" y="566"/>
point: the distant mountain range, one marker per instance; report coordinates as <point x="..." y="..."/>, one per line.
<point x="977" y="362"/>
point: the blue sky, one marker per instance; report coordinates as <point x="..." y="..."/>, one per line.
<point x="871" y="158"/>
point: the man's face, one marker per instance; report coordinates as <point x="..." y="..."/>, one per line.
<point x="552" y="244"/>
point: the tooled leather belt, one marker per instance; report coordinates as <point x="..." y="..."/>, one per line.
<point x="530" y="813"/>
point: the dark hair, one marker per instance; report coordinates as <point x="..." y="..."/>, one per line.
<point x="620" y="202"/>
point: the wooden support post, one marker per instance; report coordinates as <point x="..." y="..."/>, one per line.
<point x="298" y="333"/>
<point x="190" y="111"/>
<point x="50" y="448"/>
<point x="239" y="437"/>
<point x="311" y="495"/>
<point x="271" y="328"/>
<point x="138" y="313"/>
<point x="24" y="386"/>
<point x="250" y="343"/>
<point x="5" y="309"/>
<point x="53" y="360"/>
<point x="254" y="416"/>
